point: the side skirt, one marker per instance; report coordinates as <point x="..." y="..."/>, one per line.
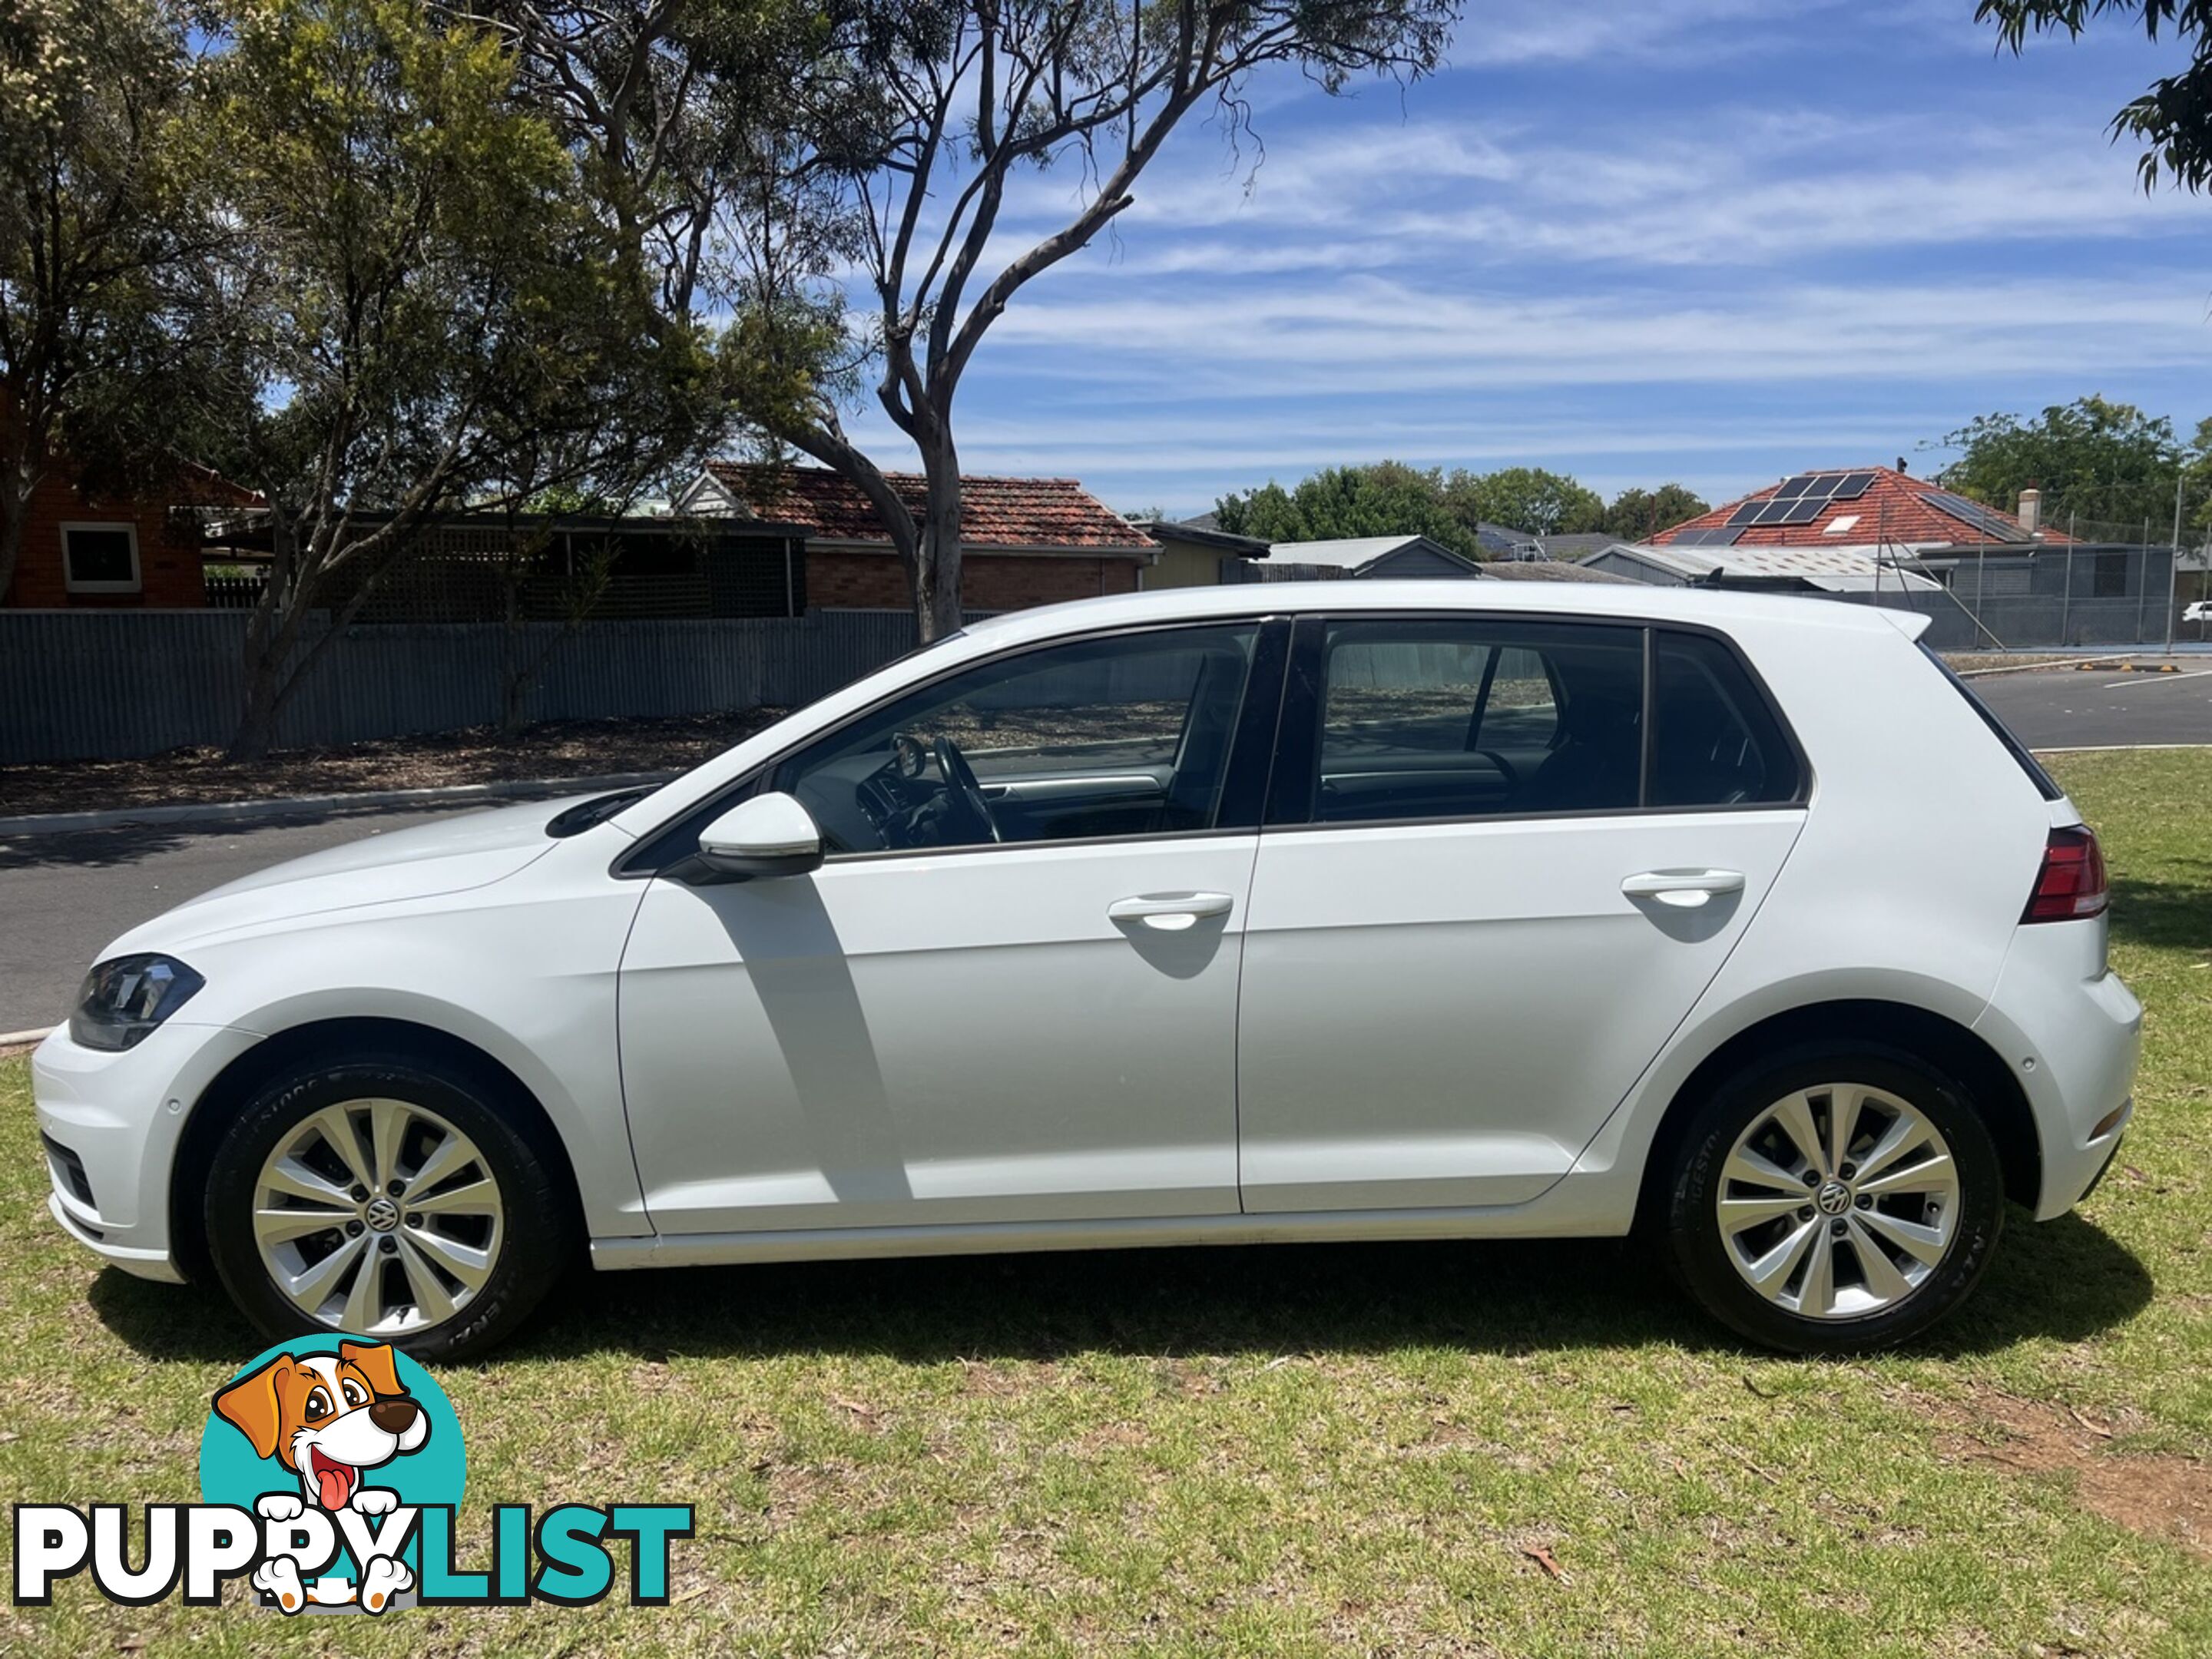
<point x="1565" y="1212"/>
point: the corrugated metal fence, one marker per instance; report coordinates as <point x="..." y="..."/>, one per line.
<point x="107" y="684"/>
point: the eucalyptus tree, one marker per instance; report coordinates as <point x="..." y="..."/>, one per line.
<point x="870" y="249"/>
<point x="427" y="314"/>
<point x="2173" y="118"/>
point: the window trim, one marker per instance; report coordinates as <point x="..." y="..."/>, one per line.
<point x="70" y="582"/>
<point x="1302" y="698"/>
<point x="1245" y="776"/>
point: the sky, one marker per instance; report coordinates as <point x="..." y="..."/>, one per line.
<point x="1716" y="242"/>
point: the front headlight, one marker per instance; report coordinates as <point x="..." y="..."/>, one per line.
<point x="125" y="998"/>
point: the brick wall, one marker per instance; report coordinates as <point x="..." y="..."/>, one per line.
<point x="989" y="582"/>
<point x="169" y="561"/>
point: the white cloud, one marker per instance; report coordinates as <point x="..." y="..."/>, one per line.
<point x="1549" y="32"/>
<point x="1594" y="244"/>
<point x="1376" y="334"/>
<point x="1728" y="187"/>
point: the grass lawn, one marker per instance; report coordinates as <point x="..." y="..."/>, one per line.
<point x="1288" y="1450"/>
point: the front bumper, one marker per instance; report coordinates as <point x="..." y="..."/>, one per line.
<point x="111" y="1124"/>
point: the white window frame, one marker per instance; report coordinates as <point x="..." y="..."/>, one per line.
<point x="136" y="585"/>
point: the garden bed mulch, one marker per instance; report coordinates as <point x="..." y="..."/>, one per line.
<point x="561" y="749"/>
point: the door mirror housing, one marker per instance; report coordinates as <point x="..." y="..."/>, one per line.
<point x="771" y="834"/>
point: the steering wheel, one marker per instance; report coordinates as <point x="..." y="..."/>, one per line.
<point x="960" y="779"/>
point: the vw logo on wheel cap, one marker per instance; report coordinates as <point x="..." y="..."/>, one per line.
<point x="1833" y="1199"/>
<point x="382" y="1214"/>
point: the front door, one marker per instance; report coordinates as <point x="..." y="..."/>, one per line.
<point x="1008" y="995"/>
<point x="1483" y="902"/>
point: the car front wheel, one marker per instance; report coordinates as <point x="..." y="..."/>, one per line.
<point x="1835" y="1199"/>
<point x="385" y="1199"/>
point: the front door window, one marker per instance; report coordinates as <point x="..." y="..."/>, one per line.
<point x="1124" y="736"/>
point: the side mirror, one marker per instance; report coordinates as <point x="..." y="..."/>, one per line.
<point x="766" y="836"/>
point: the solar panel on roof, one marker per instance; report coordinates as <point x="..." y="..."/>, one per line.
<point x="1994" y="525"/>
<point x="1746" y="513"/>
<point x="1853" y="485"/>
<point x="1808" y="486"/>
<point x="1719" y="535"/>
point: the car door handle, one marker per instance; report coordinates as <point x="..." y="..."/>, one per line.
<point x="1170" y="913"/>
<point x="1685" y="889"/>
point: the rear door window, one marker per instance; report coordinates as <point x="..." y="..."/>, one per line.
<point x="1461" y="717"/>
<point x="1716" y="742"/>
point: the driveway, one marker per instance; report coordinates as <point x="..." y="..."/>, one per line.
<point x="65" y="896"/>
<point x="2071" y="708"/>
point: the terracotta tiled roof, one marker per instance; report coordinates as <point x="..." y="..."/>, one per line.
<point x="1050" y="514"/>
<point x="1895" y="507"/>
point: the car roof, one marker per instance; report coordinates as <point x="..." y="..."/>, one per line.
<point x="1634" y="602"/>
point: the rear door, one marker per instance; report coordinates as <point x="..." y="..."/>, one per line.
<point x="1491" y="885"/>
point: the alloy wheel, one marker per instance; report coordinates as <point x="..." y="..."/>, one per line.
<point x="378" y="1217"/>
<point x="1838" y="1201"/>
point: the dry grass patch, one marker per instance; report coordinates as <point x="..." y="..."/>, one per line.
<point x="2166" y="1498"/>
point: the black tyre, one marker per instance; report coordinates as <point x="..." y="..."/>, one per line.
<point x="391" y="1199"/>
<point x="1835" y="1197"/>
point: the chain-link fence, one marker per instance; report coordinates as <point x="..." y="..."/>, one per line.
<point x="2068" y="595"/>
<point x="2086" y="584"/>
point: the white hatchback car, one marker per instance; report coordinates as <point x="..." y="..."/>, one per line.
<point x="1305" y="911"/>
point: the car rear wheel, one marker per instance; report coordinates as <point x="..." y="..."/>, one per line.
<point x="388" y="1200"/>
<point x="1835" y="1199"/>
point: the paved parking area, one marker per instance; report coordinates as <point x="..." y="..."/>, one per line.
<point x="2076" y="708"/>
<point x="65" y="896"/>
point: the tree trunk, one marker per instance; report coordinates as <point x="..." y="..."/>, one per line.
<point x="513" y="676"/>
<point x="14" y="508"/>
<point x="270" y="633"/>
<point x="268" y="642"/>
<point x="938" y="565"/>
<point x="24" y="462"/>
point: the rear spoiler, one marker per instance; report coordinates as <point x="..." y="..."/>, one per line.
<point x="1911" y="623"/>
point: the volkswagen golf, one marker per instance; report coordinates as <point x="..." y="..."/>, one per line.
<point x="1305" y="911"/>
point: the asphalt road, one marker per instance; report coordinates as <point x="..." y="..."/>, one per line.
<point x="65" y="896"/>
<point x="2071" y="708"/>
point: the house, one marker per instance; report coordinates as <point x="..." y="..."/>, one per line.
<point x="1578" y="545"/>
<point x="1192" y="554"/>
<point x="1875" y="505"/>
<point x="1975" y="550"/>
<point x="1500" y="541"/>
<point x="1762" y="569"/>
<point x="1547" y="570"/>
<point x="1362" y="557"/>
<point x="482" y="566"/>
<point x="1025" y="541"/>
<point x="112" y="550"/>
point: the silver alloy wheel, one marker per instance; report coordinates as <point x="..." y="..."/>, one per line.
<point x="378" y="1217"/>
<point x="1839" y="1201"/>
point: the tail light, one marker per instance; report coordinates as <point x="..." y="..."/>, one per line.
<point x="2071" y="884"/>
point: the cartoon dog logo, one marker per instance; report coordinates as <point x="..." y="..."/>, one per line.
<point x="328" y="1419"/>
